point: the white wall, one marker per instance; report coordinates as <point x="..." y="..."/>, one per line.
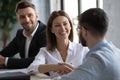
<point x="43" y="9"/>
<point x="112" y="7"/>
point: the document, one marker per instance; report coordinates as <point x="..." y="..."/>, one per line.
<point x="13" y="73"/>
<point x="13" y="70"/>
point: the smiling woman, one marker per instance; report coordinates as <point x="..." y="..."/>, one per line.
<point x="61" y="54"/>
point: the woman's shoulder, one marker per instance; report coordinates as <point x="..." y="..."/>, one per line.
<point x="43" y="49"/>
<point x="75" y="44"/>
<point x="78" y="45"/>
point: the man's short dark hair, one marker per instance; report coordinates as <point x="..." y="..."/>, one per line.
<point x="24" y="4"/>
<point x="95" y="20"/>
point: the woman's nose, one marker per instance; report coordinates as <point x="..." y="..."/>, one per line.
<point x="63" y="28"/>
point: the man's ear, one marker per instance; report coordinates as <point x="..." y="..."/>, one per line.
<point x="17" y="18"/>
<point x="37" y="16"/>
<point x="84" y="32"/>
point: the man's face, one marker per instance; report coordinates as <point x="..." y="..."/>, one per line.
<point x="27" y="17"/>
<point x="81" y="39"/>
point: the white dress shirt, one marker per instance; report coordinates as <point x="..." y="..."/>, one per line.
<point x="28" y="41"/>
<point x="76" y="53"/>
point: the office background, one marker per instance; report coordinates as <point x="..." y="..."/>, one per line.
<point x="45" y="7"/>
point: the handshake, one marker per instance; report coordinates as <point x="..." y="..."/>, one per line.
<point x="61" y="68"/>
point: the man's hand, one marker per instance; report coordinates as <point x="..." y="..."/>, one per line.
<point x="68" y="65"/>
<point x="2" y="60"/>
<point x="64" y="68"/>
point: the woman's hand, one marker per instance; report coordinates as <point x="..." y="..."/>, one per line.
<point x="64" y="68"/>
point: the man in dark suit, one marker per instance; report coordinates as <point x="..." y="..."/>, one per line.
<point x="27" y="41"/>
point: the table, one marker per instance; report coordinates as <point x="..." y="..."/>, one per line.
<point x="40" y="76"/>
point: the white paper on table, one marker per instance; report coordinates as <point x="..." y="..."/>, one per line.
<point x="11" y="73"/>
<point x="13" y="70"/>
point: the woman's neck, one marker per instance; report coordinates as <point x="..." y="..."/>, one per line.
<point x="62" y="47"/>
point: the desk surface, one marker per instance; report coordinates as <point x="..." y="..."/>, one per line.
<point x="40" y="76"/>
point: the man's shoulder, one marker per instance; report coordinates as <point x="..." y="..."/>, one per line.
<point x="103" y="53"/>
<point x="41" y="27"/>
<point x="41" y="24"/>
<point x="19" y="32"/>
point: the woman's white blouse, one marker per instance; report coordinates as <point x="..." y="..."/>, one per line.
<point x="75" y="56"/>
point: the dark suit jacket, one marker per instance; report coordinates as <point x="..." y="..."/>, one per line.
<point x="17" y="45"/>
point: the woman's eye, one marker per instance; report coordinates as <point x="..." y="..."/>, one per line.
<point x="57" y="25"/>
<point x="65" y="23"/>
